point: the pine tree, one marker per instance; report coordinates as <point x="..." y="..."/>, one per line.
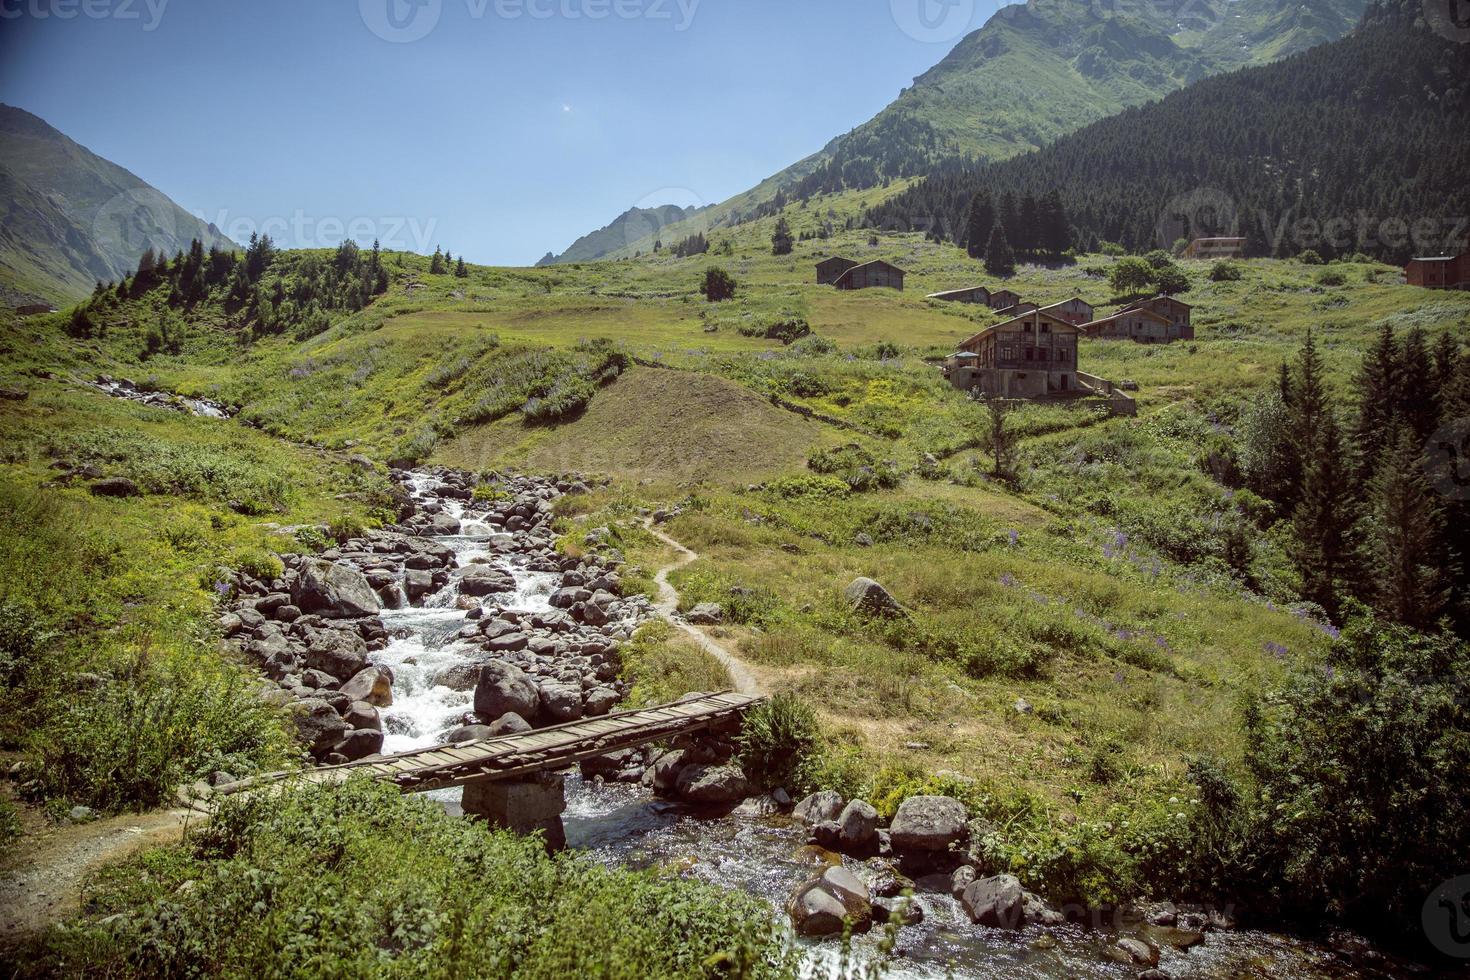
<point x="1408" y="529"/>
<point x="461" y="271"/>
<point x="1416" y="403"/>
<point x="1326" y="546"/>
<point x="1029" y="227"/>
<point x="1009" y="217"/>
<point x="1308" y="408"/>
<point x="146" y="262"/>
<point x="1377" y="386"/>
<point x="781" y="241"/>
<point x="436" y="264"/>
<point x="1056" y="230"/>
<point x="978" y="224"/>
<point x="999" y="259"/>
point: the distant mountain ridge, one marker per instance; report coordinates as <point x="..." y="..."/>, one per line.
<point x="633" y="225"/>
<point x="1032" y="74"/>
<point x="69" y="218"/>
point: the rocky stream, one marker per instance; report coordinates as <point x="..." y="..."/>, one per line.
<point x="463" y="622"/>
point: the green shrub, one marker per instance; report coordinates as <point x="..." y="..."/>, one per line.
<point x="129" y="739"/>
<point x="1225" y="272"/>
<point x="719" y="285"/>
<point x="797" y="487"/>
<point x="777" y="740"/>
<point x="259" y="564"/>
<point x="1332" y="277"/>
<point x="857" y="467"/>
<point x="1111" y="249"/>
<point x="345" y="527"/>
<point x="1309" y="256"/>
<point x="362" y="881"/>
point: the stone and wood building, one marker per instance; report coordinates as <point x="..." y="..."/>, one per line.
<point x="1439" y="272"/>
<point x="1161" y="320"/>
<point x="1075" y="310"/>
<point x="871" y="275"/>
<point x="1029" y="356"/>
<point x="1004" y="299"/>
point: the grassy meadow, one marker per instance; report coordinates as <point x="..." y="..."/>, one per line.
<point x="1077" y="636"/>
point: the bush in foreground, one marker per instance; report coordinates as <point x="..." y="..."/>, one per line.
<point x="361" y="881"/>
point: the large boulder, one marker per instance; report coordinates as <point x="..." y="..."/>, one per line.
<point x="713" y="784"/>
<point x="360" y="744"/>
<point x="869" y="598"/>
<point x="823" y="906"/>
<point x="505" y="689"/>
<point x="706" y="614"/>
<point x="318" y="725"/>
<point x="374" y="685"/>
<point x="334" y="591"/>
<point x="483" y="580"/>
<point x="819" y="808"/>
<point x="561" y="702"/>
<point x="997" y="902"/>
<point x="117" y="486"/>
<point x="858" y="828"/>
<point x="340" y="653"/>
<point x="928" y="823"/>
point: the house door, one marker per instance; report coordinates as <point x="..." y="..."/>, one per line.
<point x="1064" y="382"/>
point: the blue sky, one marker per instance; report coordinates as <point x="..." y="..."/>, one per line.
<point x="506" y="130"/>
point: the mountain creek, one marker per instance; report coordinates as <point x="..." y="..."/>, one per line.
<point x="464" y="622"/>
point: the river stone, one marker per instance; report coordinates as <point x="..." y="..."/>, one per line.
<point x="483" y="580"/>
<point x="337" y="652"/>
<point x="508" y="643"/>
<point x="505" y="689"/>
<point x="469" y="733"/>
<point x="996" y="902"/>
<point x="318" y="724"/>
<point x="509" y="724"/>
<point x="373" y="685"/>
<point x="816" y="912"/>
<point x="334" y="591"/>
<point x="1138" y="951"/>
<point x="928" y="823"/>
<point x="458" y="677"/>
<point x="819" y="807"/>
<point x="666" y="770"/>
<point x="866" y="596"/>
<point x="561" y="702"/>
<point x="858" y="827"/>
<point x="887" y="881"/>
<point x="360" y="714"/>
<point x="442" y="525"/>
<point x="713" y="784"/>
<point x="360" y="744"/>
<point x="600" y="701"/>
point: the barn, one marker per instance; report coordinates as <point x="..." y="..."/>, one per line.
<point x="1215" y="248"/>
<point x="1439" y="272"/>
<point x="1004" y="299"/>
<point x="1140" y="326"/>
<point x="871" y="275"/>
<point x="970" y="294"/>
<point x="1177" y="312"/>
<point x="1075" y="310"/>
<point x="1029" y="356"/>
<point x="830" y="270"/>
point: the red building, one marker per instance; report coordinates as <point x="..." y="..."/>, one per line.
<point x="1439" y="272"/>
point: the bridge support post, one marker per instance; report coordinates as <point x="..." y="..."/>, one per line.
<point x="523" y="807"/>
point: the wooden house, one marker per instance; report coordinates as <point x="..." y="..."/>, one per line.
<point x="1028" y="356"/>
<point x="1215" y="248"/>
<point x="1439" y="272"/>
<point x="830" y="270"/>
<point x="971" y="294"/>
<point x="1003" y="299"/>
<point x="1025" y="306"/>
<point x="1177" y="312"/>
<point x="1140" y="326"/>
<point x="1075" y="310"/>
<point x="872" y="275"/>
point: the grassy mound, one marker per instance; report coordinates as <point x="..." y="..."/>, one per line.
<point x="671" y="425"/>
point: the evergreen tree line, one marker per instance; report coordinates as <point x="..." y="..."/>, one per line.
<point x="1032" y="227"/>
<point x="443" y="263"/>
<point x="262" y="291"/>
<point x="695" y="244"/>
<point x="1371" y="132"/>
<point x="1377" y="514"/>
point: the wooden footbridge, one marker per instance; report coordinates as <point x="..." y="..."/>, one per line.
<point x="523" y="757"/>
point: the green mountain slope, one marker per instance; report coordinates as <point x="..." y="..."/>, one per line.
<point x="633" y="225"/>
<point x="72" y="218"/>
<point x="1032" y="74"/>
